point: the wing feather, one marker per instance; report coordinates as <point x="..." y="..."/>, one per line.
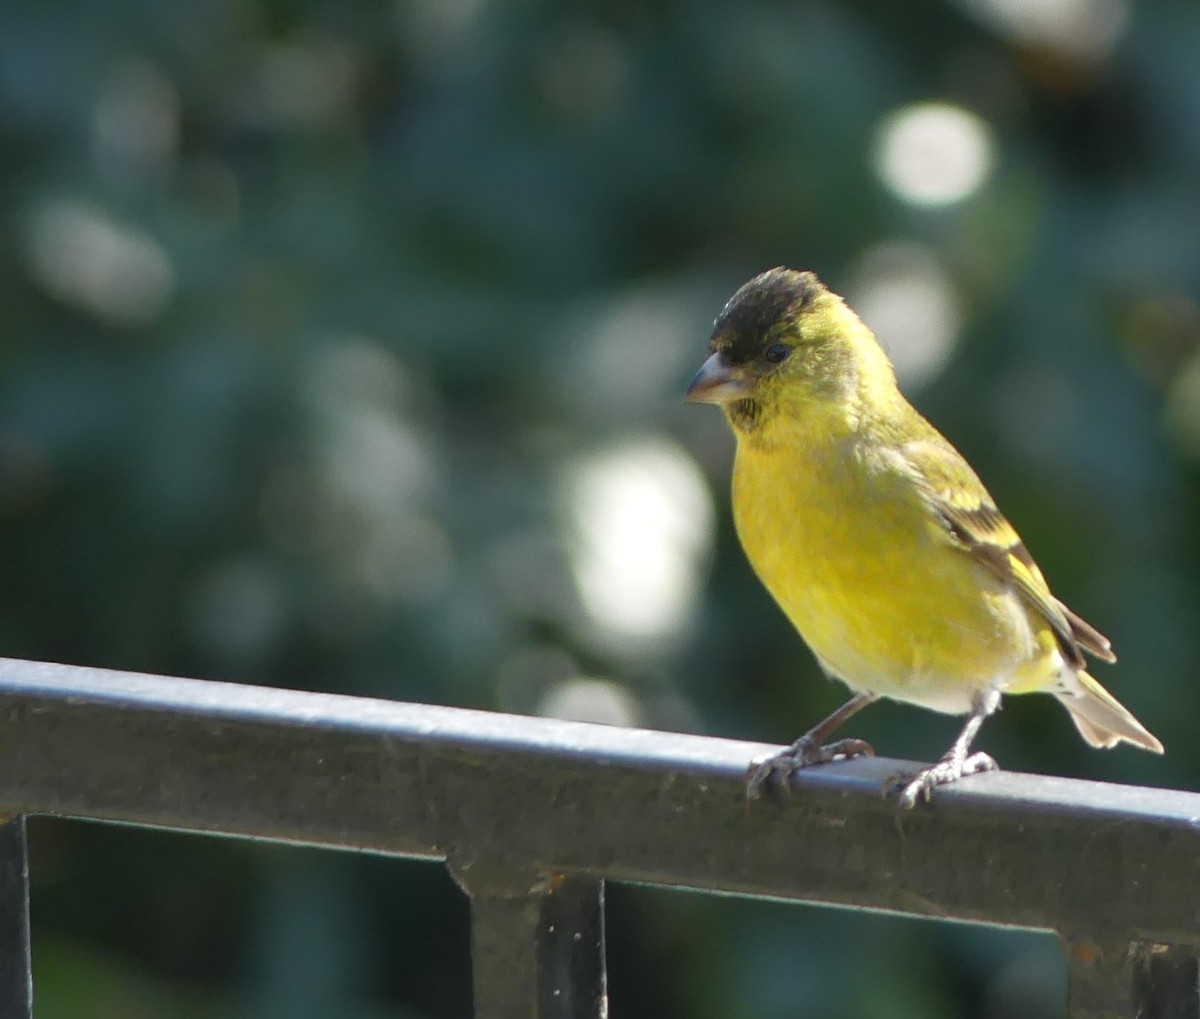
<point x="957" y="497"/>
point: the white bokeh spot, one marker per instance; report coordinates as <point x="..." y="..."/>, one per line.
<point x="902" y="291"/>
<point x="933" y="154"/>
<point x="641" y="530"/>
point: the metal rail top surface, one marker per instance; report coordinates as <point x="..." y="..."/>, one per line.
<point x="507" y="795"/>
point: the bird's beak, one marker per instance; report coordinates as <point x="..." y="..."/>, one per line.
<point x="716" y="382"/>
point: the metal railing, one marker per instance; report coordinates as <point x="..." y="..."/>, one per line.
<point x="532" y="815"/>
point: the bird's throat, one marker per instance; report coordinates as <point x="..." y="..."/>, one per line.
<point x="744" y="415"/>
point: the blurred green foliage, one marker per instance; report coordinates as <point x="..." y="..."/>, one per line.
<point x="316" y="315"/>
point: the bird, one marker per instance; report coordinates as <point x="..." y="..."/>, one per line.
<point x="880" y="543"/>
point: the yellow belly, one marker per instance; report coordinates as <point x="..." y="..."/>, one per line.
<point x="886" y="604"/>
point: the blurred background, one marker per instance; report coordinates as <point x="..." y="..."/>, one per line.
<point x="342" y="348"/>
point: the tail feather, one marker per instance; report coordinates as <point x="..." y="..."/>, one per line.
<point x="1101" y="719"/>
<point x="1087" y="636"/>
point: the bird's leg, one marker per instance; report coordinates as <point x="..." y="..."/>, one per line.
<point x="810" y="749"/>
<point x="957" y="761"/>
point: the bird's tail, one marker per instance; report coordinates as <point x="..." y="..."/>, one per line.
<point x="1101" y="719"/>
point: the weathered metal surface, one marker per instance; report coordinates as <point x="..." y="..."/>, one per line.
<point x="16" y="993"/>
<point x="1166" y="982"/>
<point x="537" y="943"/>
<point x="556" y="796"/>
<point x="1104" y="864"/>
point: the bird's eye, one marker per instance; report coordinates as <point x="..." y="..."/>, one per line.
<point x="776" y="352"/>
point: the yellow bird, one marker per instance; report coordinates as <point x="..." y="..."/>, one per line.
<point x="878" y="540"/>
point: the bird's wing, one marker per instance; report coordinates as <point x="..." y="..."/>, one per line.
<point x="958" y="499"/>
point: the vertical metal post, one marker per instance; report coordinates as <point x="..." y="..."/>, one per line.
<point x="16" y="986"/>
<point x="1118" y="979"/>
<point x="537" y="944"/>
<point x="1166" y="982"/>
<point x="1100" y="978"/>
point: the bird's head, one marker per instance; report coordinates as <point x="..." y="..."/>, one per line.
<point x="784" y="340"/>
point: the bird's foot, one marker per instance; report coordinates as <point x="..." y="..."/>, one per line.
<point x="778" y="769"/>
<point x="949" y="769"/>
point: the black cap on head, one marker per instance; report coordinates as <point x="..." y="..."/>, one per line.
<point x="742" y="327"/>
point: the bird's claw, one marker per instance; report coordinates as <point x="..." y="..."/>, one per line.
<point x="778" y="769"/>
<point x="949" y="769"/>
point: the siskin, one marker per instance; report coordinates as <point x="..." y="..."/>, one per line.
<point x="878" y="540"/>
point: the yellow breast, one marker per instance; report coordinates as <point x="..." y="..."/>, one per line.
<point x="859" y="567"/>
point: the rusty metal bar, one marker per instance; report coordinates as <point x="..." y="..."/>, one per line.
<point x="1100" y="978"/>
